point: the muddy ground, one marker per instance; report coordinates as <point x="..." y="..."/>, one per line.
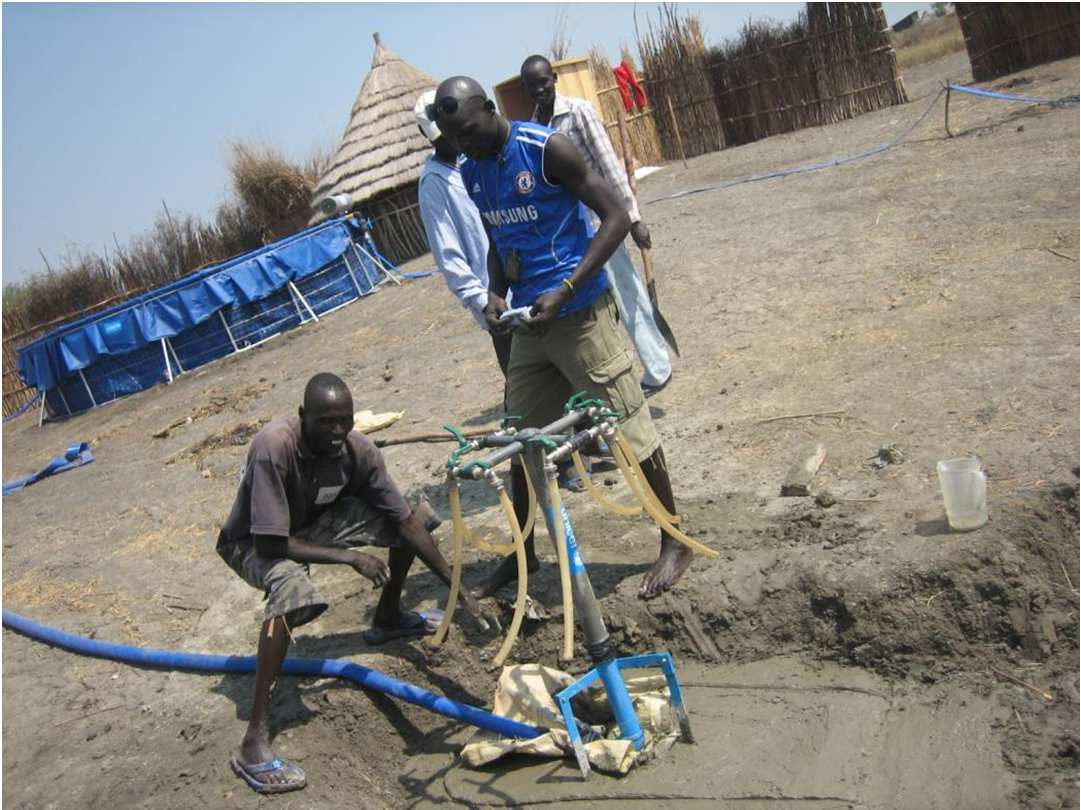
<point x="845" y="650"/>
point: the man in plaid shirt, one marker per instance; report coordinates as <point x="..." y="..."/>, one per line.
<point x="577" y="119"/>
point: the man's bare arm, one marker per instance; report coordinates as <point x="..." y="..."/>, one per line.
<point x="269" y="546"/>
<point x="564" y="165"/>
<point x="497" y="288"/>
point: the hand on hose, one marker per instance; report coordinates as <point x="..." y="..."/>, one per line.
<point x="495" y="307"/>
<point x="486" y="619"/>
<point x="546" y="307"/>
<point x="371" y="567"/>
<point x="640" y="235"/>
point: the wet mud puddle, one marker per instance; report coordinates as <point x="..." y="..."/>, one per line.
<point x="774" y="733"/>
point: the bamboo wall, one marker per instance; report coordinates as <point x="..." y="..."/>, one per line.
<point x="678" y="86"/>
<point x="834" y="63"/>
<point x="396" y="224"/>
<point x="1003" y="38"/>
<point x="641" y="129"/>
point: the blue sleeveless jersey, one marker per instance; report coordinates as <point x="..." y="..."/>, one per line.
<point x="543" y="223"/>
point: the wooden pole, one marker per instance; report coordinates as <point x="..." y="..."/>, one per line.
<point x="675" y="128"/>
<point x="628" y="166"/>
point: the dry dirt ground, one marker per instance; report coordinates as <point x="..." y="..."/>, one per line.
<point x="843" y="651"/>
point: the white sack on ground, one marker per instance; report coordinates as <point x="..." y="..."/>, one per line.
<point x="526" y="693"/>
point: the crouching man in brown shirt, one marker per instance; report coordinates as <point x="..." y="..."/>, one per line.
<point x="313" y="490"/>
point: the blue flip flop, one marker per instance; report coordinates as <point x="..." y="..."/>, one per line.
<point x="296" y="778"/>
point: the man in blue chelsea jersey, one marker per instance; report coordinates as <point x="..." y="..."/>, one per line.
<point x="532" y="188"/>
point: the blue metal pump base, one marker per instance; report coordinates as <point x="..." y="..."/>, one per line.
<point x="607" y="668"/>
<point x="608" y="673"/>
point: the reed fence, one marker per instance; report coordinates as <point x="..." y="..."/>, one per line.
<point x="641" y="127"/>
<point x="674" y="61"/>
<point x="1003" y="38"/>
<point x="834" y="62"/>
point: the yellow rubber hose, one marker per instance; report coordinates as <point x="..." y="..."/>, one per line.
<point x="505" y="548"/>
<point x="564" y="568"/>
<point x="621" y="444"/>
<point x="519" y="603"/>
<point x="598" y="496"/>
<point x="531" y="518"/>
<point x="641" y="488"/>
<point x="456" y="565"/>
<point x="495" y="548"/>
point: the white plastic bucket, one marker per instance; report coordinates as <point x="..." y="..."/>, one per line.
<point x="964" y="491"/>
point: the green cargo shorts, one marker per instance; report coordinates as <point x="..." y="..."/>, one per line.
<point x="287" y="586"/>
<point x="584" y="351"/>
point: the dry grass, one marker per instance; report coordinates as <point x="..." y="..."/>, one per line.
<point x="928" y="40"/>
<point x="184" y="543"/>
<point x="276" y="192"/>
<point x="559" y="48"/>
<point x="37" y="589"/>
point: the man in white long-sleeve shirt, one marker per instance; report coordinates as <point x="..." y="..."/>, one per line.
<point x="577" y="119"/>
<point x="455" y="232"/>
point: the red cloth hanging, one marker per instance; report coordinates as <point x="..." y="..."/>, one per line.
<point x="629" y="89"/>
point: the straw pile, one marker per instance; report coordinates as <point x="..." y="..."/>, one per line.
<point x="674" y="60"/>
<point x="275" y="192"/>
<point x="641" y="129"/>
<point x="379" y="159"/>
<point x="834" y="62"/>
<point x="1006" y="37"/>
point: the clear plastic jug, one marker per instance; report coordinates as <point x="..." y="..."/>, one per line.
<point x="964" y="491"/>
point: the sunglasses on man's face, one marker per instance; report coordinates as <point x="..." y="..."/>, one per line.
<point x="448" y="105"/>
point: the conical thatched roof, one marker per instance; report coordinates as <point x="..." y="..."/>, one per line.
<point x="382" y="147"/>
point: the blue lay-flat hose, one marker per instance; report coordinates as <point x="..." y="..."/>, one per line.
<point x="311" y="667"/>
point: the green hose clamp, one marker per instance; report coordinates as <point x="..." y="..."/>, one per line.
<point x="464" y="446"/>
<point x="480" y="465"/>
<point x="581" y="401"/>
<point x="506" y="421"/>
<point x="544" y="442"/>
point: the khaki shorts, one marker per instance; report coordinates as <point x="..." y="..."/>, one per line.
<point x="584" y="351"/>
<point x="287" y="586"/>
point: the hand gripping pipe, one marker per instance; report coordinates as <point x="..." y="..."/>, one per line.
<point x="308" y="667"/>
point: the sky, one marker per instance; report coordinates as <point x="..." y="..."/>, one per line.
<point x="111" y="109"/>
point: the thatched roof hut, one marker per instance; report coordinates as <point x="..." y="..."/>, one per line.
<point x="379" y="159"/>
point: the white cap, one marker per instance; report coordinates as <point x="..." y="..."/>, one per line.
<point x="420" y="110"/>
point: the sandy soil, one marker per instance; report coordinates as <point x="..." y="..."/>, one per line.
<point x="926" y="298"/>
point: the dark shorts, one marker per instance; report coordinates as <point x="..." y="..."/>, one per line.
<point x="289" y="591"/>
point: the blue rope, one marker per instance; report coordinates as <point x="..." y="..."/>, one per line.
<point x="23" y="409"/>
<point x="1065" y="101"/>
<point x="814" y="167"/>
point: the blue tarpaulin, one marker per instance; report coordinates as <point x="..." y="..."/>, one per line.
<point x="76" y="455"/>
<point x="206" y="315"/>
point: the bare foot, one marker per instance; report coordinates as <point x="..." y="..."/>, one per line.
<point x="506" y="571"/>
<point x="673" y="562"/>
